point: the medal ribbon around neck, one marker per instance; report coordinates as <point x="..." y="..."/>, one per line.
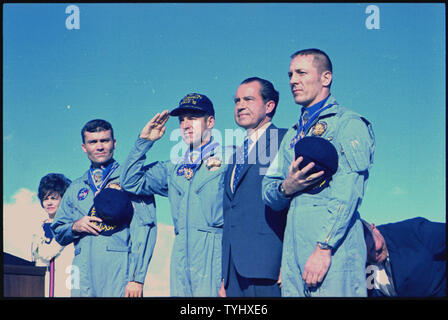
<point x="303" y="128"/>
<point x="188" y="168"/>
<point x="107" y="172"/>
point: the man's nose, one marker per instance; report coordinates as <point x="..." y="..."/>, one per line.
<point x="295" y="79"/>
<point x="240" y="105"/>
<point x="186" y="124"/>
<point x="292" y="80"/>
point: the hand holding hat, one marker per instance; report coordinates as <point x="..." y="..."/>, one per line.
<point x="299" y="179"/>
<point x="87" y="224"/>
<point x="320" y="151"/>
<point x="315" y="160"/>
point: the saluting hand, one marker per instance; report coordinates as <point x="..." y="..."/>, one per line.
<point x="298" y="180"/>
<point x="155" y="128"/>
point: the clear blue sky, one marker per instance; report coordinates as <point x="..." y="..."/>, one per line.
<point x="129" y="61"/>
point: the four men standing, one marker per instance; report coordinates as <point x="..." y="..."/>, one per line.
<point x="229" y="221"/>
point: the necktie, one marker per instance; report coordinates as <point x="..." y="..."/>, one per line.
<point x="241" y="159"/>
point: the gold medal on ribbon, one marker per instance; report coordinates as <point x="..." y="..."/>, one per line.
<point x="319" y="128"/>
<point x="188" y="173"/>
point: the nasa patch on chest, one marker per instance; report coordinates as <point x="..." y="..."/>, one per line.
<point x="319" y="128"/>
<point x="82" y="194"/>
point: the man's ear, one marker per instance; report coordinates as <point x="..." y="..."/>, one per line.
<point x="326" y="77"/>
<point x="270" y="107"/>
<point x="210" y="122"/>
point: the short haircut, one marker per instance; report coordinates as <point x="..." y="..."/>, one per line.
<point x="96" y="125"/>
<point x="268" y="92"/>
<point x="52" y="182"/>
<point x="321" y="59"/>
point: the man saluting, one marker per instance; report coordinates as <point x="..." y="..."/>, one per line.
<point x="194" y="187"/>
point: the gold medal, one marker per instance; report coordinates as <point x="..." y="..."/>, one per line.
<point x="319" y="128"/>
<point x="188" y="173"/>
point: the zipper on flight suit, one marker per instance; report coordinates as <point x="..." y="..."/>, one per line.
<point x="331" y="231"/>
<point x="187" y="258"/>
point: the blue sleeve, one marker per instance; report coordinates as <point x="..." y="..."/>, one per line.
<point x="432" y="235"/>
<point x="143" y="233"/>
<point x="64" y="219"/>
<point x="140" y="179"/>
<point x="275" y="175"/>
<point x="355" y="147"/>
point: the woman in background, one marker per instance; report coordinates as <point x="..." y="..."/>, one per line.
<point x="44" y="248"/>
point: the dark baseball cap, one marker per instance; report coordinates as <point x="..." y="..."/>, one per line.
<point x="194" y="103"/>
<point x="322" y="153"/>
<point x="113" y="206"/>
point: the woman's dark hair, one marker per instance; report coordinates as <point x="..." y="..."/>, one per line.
<point x="52" y="182"/>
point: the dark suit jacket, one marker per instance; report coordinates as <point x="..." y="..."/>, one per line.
<point x="417" y="252"/>
<point x="253" y="232"/>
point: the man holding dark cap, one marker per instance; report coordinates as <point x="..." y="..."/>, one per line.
<point x="323" y="154"/>
<point x="324" y="253"/>
<point x="113" y="232"/>
<point x="194" y="187"/>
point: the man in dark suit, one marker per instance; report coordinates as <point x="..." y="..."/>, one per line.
<point x="253" y="232"/>
<point x="406" y="258"/>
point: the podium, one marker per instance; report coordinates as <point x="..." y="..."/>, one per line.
<point x="21" y="278"/>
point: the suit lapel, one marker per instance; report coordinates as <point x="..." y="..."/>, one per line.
<point x="263" y="144"/>
<point x="228" y="176"/>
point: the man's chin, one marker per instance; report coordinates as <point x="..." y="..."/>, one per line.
<point x="101" y="161"/>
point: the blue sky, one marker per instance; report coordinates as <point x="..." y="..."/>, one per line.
<point x="127" y="62"/>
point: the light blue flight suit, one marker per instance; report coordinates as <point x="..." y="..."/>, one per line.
<point x="196" y="209"/>
<point x="330" y="216"/>
<point x="105" y="264"/>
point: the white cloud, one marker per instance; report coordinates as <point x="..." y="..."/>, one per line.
<point x="23" y="218"/>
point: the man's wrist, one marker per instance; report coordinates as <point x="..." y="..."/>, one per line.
<point x="324" y="246"/>
<point x="282" y="191"/>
